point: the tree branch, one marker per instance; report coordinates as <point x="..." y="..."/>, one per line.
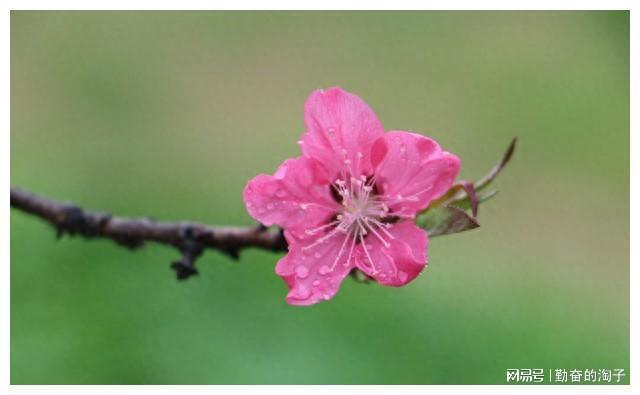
<point x="446" y="215"/>
<point x="190" y="238"/>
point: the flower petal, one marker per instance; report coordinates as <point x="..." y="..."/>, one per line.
<point x="340" y="130"/>
<point x="398" y="263"/>
<point x="296" y="197"/>
<point x="314" y="270"/>
<point x="413" y="170"/>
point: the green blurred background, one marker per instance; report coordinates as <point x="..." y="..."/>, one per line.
<point x="168" y="114"/>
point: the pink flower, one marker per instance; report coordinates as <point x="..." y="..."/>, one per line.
<point x="349" y="201"/>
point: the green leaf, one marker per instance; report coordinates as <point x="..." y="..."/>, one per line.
<point x="444" y="220"/>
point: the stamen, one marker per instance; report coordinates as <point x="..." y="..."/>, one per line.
<point x="323" y="238"/>
<point x="400" y="214"/>
<point x="382" y="227"/>
<point x="319" y="228"/>
<point x="364" y="247"/>
<point x="361" y="212"/>
<point x="353" y="244"/>
<point x="362" y="229"/>
<point x="382" y="240"/>
<point x="344" y="243"/>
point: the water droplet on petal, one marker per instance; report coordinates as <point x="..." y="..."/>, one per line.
<point x="281" y="193"/>
<point x="302" y="271"/>
<point x="403" y="276"/>
<point x="317" y="255"/>
<point x="315" y="283"/>
<point x="303" y="292"/>
<point x="270" y="206"/>
<point x="326" y="296"/>
<point x="324" y="269"/>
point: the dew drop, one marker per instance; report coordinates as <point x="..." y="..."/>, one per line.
<point x="315" y="283"/>
<point x="326" y="296"/>
<point x="270" y="206"/>
<point x="302" y="271"/>
<point x="324" y="269"/>
<point x="317" y="255"/>
<point x="303" y="292"/>
<point x="281" y="193"/>
<point x="331" y="132"/>
<point x="403" y="276"/>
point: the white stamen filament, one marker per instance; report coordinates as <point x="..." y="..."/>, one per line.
<point x="344" y="243"/>
<point x="383" y="241"/>
<point x="319" y="228"/>
<point x="366" y="251"/>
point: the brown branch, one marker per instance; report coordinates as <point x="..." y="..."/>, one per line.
<point x="191" y="239"/>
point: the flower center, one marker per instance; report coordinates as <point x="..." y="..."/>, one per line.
<point x="362" y="213"/>
<point x="362" y="210"/>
